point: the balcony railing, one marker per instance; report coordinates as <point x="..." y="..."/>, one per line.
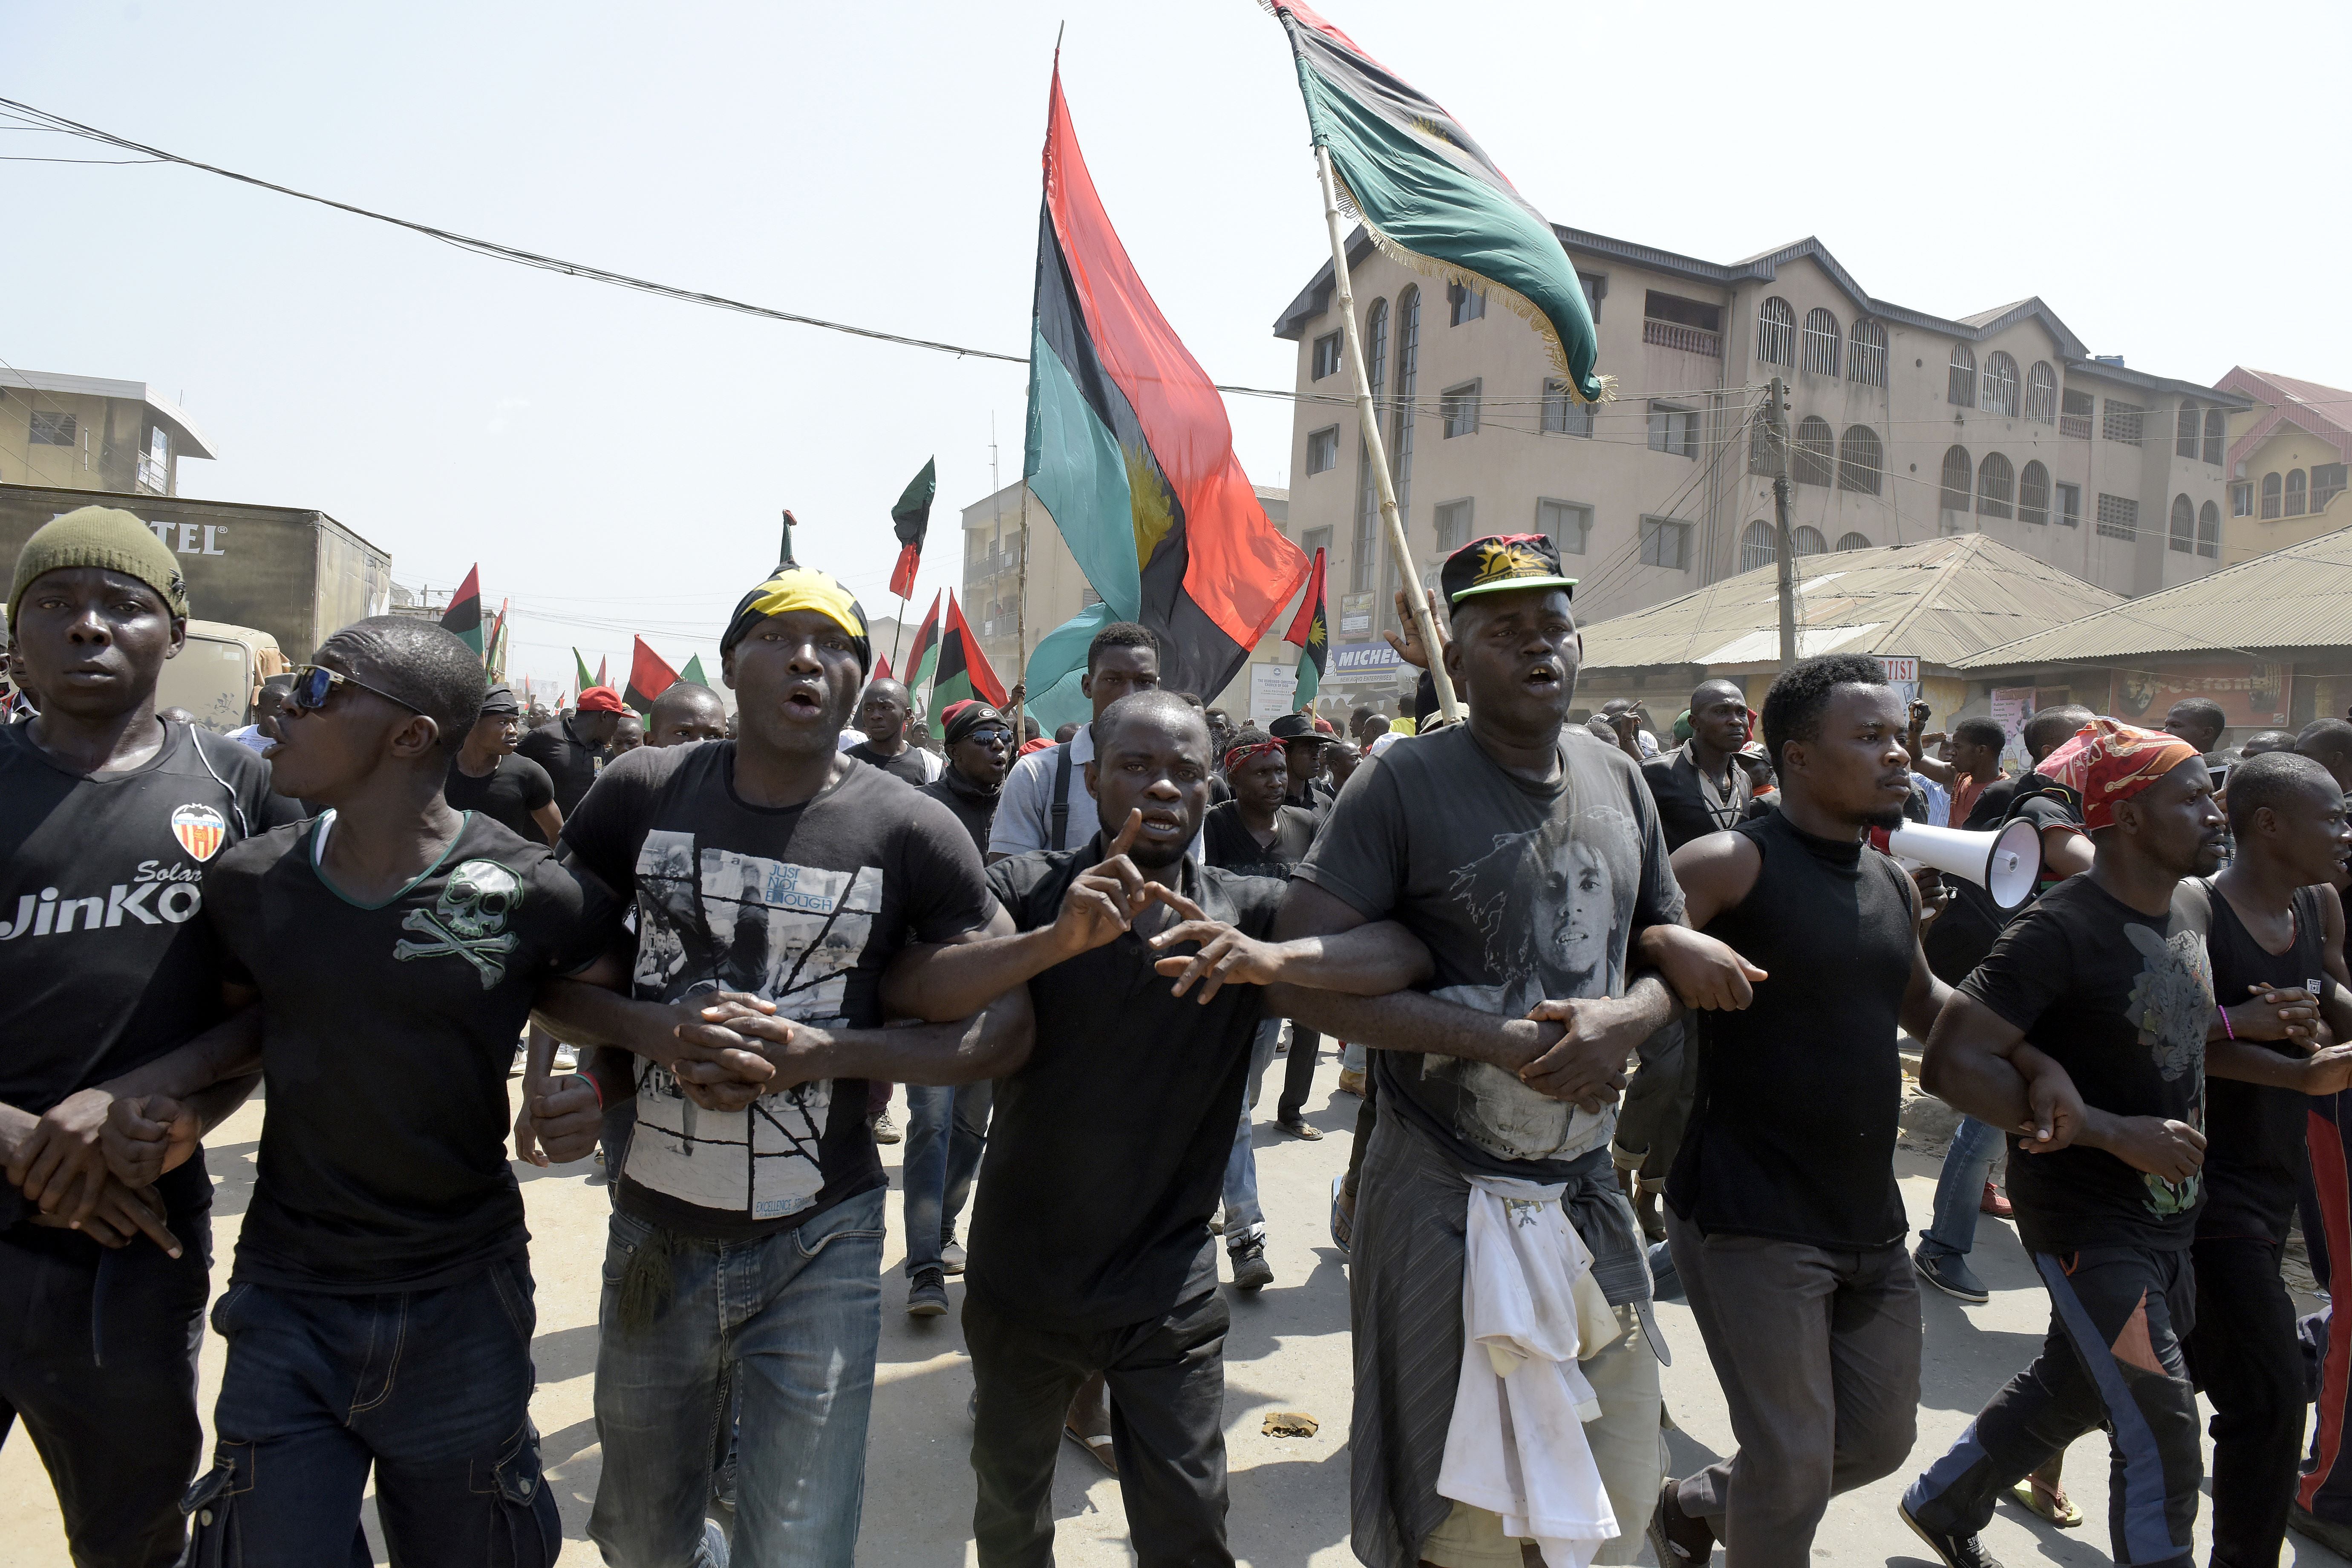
<point x="154" y="475"/>
<point x="1674" y="335"/>
<point x="2078" y="426"/>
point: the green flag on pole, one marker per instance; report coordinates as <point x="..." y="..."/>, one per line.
<point x="692" y="673"/>
<point x="586" y="680"/>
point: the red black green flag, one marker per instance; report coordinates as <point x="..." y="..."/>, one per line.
<point x="464" y="615"/>
<point x="925" y="655"/>
<point x="963" y="670"/>
<point x="911" y="518"/>
<point x="1312" y="632"/>
<point x="648" y="679"/>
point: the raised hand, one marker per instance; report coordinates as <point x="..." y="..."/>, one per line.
<point x="1408" y="645"/>
<point x="1104" y="899"/>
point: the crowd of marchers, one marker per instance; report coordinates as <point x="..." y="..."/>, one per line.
<point x="1625" y="1013"/>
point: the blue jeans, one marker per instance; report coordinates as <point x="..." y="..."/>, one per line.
<point x="431" y="1389"/>
<point x="1959" y="1191"/>
<point x="1351" y="1058"/>
<point x="789" y="1325"/>
<point x="947" y="1128"/>
<point x="1244" y="1220"/>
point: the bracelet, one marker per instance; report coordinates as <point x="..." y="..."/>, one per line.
<point x="595" y="1088"/>
<point x="2225" y="1020"/>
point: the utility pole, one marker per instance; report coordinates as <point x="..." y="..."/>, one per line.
<point x="1784" y="547"/>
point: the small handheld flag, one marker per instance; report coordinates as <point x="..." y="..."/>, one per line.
<point x="580" y="665"/>
<point x="649" y="677"/>
<point x="1312" y="632"/>
<point x="464" y="615"/>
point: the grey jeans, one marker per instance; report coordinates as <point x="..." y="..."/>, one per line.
<point x="1818" y="1353"/>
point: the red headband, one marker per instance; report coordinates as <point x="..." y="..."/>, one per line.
<point x="1240" y="756"/>
<point x="2107" y="764"/>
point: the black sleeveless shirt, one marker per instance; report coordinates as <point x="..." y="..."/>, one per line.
<point x="2254" y="1148"/>
<point x="1792" y="1134"/>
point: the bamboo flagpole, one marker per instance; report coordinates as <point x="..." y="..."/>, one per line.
<point x="1400" y="548"/>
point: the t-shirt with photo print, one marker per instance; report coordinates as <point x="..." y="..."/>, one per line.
<point x="802" y="905"/>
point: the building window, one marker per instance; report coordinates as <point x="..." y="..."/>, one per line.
<point x="2070" y="506"/>
<point x="1815" y="457"/>
<point x="1998" y="390"/>
<point x="1665" y="542"/>
<point x="1367" y="495"/>
<point x="2123" y="422"/>
<point x="1457" y="410"/>
<point x="1402" y="422"/>
<point x="2185" y="429"/>
<point x="2270" y="497"/>
<point x="1323" y="449"/>
<point x="1564" y="413"/>
<point x="1823" y="336"/>
<point x="1756" y="546"/>
<point x="1960" y="389"/>
<point x="1853" y="541"/>
<point x="1809" y="542"/>
<point x="1673" y="430"/>
<point x="1776" y="333"/>
<point x="2184" y="525"/>
<point x="1860" y="460"/>
<point x="2074" y="415"/>
<point x="1693" y="326"/>
<point x="1565" y="524"/>
<point x="1865" y="360"/>
<point x="1996" y="485"/>
<point x="2208" y="532"/>
<point x="2241" y="500"/>
<point x="2294" y="492"/>
<point x="1088" y="597"/>
<point x="1316" y="539"/>
<point x="2217" y="431"/>
<point x="1327" y="357"/>
<point x="2118" y="517"/>
<point x="1959" y="479"/>
<point x="2326" y="484"/>
<point x="52" y="430"/>
<point x="1463" y="304"/>
<point x="2034" y="494"/>
<point x="2041" y="393"/>
<point x="1453" y="525"/>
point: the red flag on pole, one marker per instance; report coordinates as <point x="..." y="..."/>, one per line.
<point x="648" y="679"/>
<point x="963" y="670"/>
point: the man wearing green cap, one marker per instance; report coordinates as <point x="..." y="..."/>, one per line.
<point x="108" y="819"/>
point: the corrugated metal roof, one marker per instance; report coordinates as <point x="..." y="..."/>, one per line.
<point x="1938" y="600"/>
<point x="2297" y="598"/>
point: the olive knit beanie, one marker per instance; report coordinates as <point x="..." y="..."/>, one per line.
<point x="101" y="536"/>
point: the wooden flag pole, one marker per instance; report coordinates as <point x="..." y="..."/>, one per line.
<point x="1400" y="549"/>
<point x="1021" y="622"/>
<point x="898" y="630"/>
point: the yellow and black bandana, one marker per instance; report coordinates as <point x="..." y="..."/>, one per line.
<point x="799" y="588"/>
<point x="1501" y="561"/>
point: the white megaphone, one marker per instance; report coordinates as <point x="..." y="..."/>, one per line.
<point x="2005" y="863"/>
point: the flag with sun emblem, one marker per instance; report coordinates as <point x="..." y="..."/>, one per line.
<point x="1129" y="450"/>
<point x="1312" y="632"/>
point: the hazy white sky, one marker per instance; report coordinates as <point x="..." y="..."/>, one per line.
<point x="616" y="463"/>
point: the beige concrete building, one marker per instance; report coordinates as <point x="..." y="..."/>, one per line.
<point x="2287" y="460"/>
<point x="1904" y="425"/>
<point x="84" y="433"/>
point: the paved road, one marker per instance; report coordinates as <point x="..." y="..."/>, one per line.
<point x="1288" y="1351"/>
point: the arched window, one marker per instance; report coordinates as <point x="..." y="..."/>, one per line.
<point x="2209" y="531"/>
<point x="1865" y="360"/>
<point x="1809" y="542"/>
<point x="1814" y="456"/>
<point x="2270" y="497"/>
<point x="1823" y="336"/>
<point x="1996" y="485"/>
<point x="1853" y="541"/>
<point x="1959" y="479"/>
<point x="2185" y="428"/>
<point x="1367" y="552"/>
<point x="2294" y="492"/>
<point x="2041" y="393"/>
<point x="2217" y="429"/>
<point x="1756" y="546"/>
<point x="1776" y="333"/>
<point x="1860" y="461"/>
<point x="1962" y="391"/>
<point x="1999" y="389"/>
<point x="2033" y="493"/>
<point x="1408" y="366"/>
<point x="2184" y="524"/>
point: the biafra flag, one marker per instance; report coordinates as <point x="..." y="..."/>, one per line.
<point x="924" y="657"/>
<point x="1312" y="632"/>
<point x="912" y="519"/>
<point x="963" y="668"/>
<point x="648" y="679"/>
<point x="464" y="615"/>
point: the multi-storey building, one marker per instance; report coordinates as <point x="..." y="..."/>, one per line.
<point x="2288" y="457"/>
<point x="83" y="432"/>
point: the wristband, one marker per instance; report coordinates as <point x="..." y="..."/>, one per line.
<point x="595" y="1088"/>
<point x="2225" y="1020"/>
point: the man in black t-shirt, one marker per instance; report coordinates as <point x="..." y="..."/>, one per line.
<point x="107" y="819"/>
<point x="574" y="747"/>
<point x="486" y="775"/>
<point x="882" y="714"/>
<point x="2107" y="977"/>
<point x="378" y="1316"/>
<point x="1302" y="754"/>
<point x="789" y="900"/>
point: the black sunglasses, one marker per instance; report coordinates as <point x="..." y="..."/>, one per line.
<point x="314" y="683"/>
<point x="990" y="733"/>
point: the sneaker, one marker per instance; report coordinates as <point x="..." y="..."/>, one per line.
<point x="1251" y="1270"/>
<point x="1993" y="1204"/>
<point x="713" y="1553"/>
<point x="1954" y="1551"/>
<point x="566" y="1060"/>
<point x="2336" y="1537"/>
<point x="927" y="1294"/>
<point x="1680" y="1540"/>
<point x="884" y="1130"/>
<point x="952" y="1256"/>
<point x="1952" y="1277"/>
<point x="522" y="1060"/>
<point x="1351" y="1082"/>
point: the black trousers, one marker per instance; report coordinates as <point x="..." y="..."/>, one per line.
<point x="1167" y="1378"/>
<point x="1298" y="1072"/>
<point x="2244" y="1354"/>
<point x="98" y="1355"/>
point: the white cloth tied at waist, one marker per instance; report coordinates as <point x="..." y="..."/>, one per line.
<point x="1530" y="1311"/>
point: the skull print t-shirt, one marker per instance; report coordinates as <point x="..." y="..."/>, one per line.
<point x="2120" y="1000"/>
<point x="803" y="905"/>
<point x="388" y="1031"/>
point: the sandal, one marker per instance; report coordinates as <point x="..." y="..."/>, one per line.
<point x="1298" y="1127"/>
<point x="1343" y="1224"/>
<point x="2055" y="1505"/>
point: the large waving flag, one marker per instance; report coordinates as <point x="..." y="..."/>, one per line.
<point x="1130" y="452"/>
<point x="1431" y="197"/>
<point x="1311" y="632"/>
<point x="924" y="657"/>
<point x="963" y="670"/>
<point x="464" y="615"/>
